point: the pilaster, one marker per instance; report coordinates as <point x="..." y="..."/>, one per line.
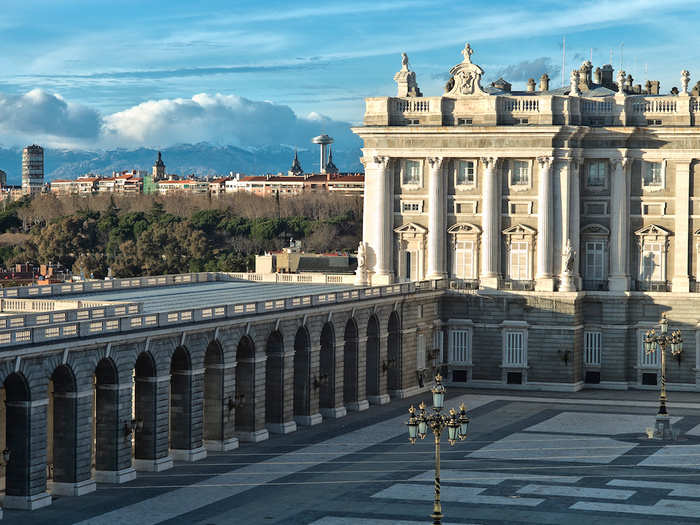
<point x="544" y="278"/>
<point x="436" y="220"/>
<point x="681" y="277"/>
<point x="378" y="215"/>
<point x="619" y="279"/>
<point x="490" y="215"/>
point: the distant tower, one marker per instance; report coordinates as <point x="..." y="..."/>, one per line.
<point x="330" y="167"/>
<point x="32" y="169"/>
<point x="324" y="141"/>
<point x="296" y="168"/>
<point x="3" y="179"/>
<point x="159" y="169"/>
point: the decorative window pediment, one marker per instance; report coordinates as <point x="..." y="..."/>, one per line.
<point x="519" y="229"/>
<point x="411" y="228"/>
<point x="595" y="230"/>
<point x="653" y="230"/>
<point x="464" y="228"/>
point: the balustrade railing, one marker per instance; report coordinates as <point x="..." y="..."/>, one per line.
<point x="655" y="105"/>
<point x="411" y="105"/>
<point x="520" y="105"/>
<point x="122" y="318"/>
<point x="597" y="107"/>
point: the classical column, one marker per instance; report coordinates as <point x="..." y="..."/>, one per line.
<point x="568" y="276"/>
<point x="436" y="220"/>
<point x="619" y="279"/>
<point x="378" y="217"/>
<point x="681" y="278"/>
<point x="544" y="279"/>
<point x="490" y="214"/>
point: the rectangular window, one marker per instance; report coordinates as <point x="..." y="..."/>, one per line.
<point x="592" y="340"/>
<point x="650" y="360"/>
<point x="463" y="267"/>
<point x="465" y="173"/>
<point x="595" y="260"/>
<point x="411" y="207"/>
<point x="519" y="261"/>
<point x="597" y="172"/>
<point x="653" y="174"/>
<point x="651" y="267"/>
<point x="595" y="208"/>
<point x="520" y="173"/>
<point x="420" y="351"/>
<point x="460" y="347"/>
<point x="464" y="121"/>
<point x="411" y="173"/>
<point x="515" y="354"/>
<point x="437" y="343"/>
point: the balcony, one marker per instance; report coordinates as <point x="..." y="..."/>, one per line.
<point x="595" y="285"/>
<point x="653" y="286"/>
<point x="518" y="286"/>
<point x="464" y="284"/>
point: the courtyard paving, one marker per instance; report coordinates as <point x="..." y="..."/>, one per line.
<point x="531" y="458"/>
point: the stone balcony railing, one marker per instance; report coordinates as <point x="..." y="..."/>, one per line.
<point x="535" y="109"/>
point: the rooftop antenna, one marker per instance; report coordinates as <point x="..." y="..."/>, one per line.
<point x="563" y="61"/>
<point x="591" y="55"/>
<point x="611" y="56"/>
<point x="622" y="54"/>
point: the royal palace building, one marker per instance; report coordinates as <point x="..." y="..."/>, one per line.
<point x="564" y="222"/>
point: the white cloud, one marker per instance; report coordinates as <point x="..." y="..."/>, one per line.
<point x="219" y="119"/>
<point x="47" y="117"/>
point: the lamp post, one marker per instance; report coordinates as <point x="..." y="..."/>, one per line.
<point x="457" y="424"/>
<point x="662" y="341"/>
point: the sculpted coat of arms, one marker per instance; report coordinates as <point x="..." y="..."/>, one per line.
<point x="466" y="77"/>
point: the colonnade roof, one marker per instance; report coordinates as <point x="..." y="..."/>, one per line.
<point x="168" y="298"/>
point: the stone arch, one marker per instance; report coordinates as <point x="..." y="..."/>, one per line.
<point x="302" y="373"/>
<point x="181" y="401"/>
<point x="151" y="447"/>
<point x="394" y="352"/>
<point x="106" y="417"/>
<point x="274" y="379"/>
<point x="61" y="431"/>
<point x="350" y="363"/>
<point x="17" y="439"/>
<point x="373" y="365"/>
<point x="327" y="368"/>
<point x="245" y="385"/>
<point x="215" y="409"/>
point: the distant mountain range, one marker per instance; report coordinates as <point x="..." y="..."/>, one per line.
<point x="183" y="159"/>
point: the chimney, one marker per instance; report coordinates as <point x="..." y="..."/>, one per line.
<point x="544" y="82"/>
<point x="598" y="76"/>
<point x="655" y="88"/>
<point x="606" y="76"/>
<point x="531" y="85"/>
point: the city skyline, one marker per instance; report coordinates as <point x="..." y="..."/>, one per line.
<point x="86" y="75"/>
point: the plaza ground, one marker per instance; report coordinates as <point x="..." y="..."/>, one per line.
<point x="549" y="458"/>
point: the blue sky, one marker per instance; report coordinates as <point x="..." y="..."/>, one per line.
<point x="104" y="73"/>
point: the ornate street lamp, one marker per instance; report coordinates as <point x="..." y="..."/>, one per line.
<point x="457" y="424"/>
<point x="662" y="341"/>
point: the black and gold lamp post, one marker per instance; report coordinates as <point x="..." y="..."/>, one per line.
<point x="663" y="341"/>
<point x="419" y="422"/>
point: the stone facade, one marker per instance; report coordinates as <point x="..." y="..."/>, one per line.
<point x="146" y="399"/>
<point x="562" y="222"/>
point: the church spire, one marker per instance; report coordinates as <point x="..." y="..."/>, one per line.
<point x="296" y="168"/>
<point x="330" y="167"/>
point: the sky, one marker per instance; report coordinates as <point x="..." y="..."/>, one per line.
<point x="127" y="73"/>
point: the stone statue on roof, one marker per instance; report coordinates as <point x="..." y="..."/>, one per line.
<point x="405" y="79"/>
<point x="465" y="77"/>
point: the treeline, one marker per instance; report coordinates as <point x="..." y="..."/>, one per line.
<point x="148" y="235"/>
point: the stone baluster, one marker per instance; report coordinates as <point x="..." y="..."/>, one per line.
<point x="544" y="279"/>
<point x="490" y="214"/>
<point x="436" y="220"/>
<point x="619" y="279"/>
